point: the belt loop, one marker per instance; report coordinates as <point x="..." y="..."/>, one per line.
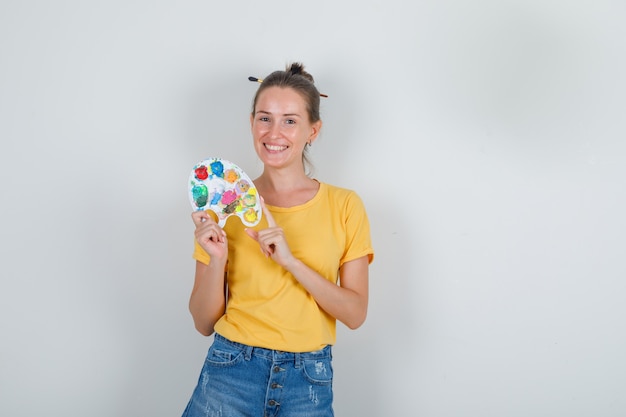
<point x="298" y="360"/>
<point x="248" y="352"/>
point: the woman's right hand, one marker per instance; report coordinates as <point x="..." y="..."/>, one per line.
<point x="210" y="236"/>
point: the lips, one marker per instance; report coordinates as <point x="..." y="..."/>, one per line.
<point x="275" y="148"/>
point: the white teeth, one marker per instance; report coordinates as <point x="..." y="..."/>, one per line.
<point x="275" y="147"/>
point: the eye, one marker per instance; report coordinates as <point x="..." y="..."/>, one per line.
<point x="290" y="121"/>
<point x="264" y="119"/>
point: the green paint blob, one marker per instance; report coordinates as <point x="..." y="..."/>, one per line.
<point x="200" y="195"/>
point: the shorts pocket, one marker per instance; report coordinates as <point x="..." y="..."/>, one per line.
<point x="318" y="371"/>
<point x="223" y="354"/>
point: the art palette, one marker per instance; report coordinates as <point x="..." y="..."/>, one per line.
<point x="220" y="186"/>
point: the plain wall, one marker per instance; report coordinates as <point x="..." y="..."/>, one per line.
<point x="486" y="138"/>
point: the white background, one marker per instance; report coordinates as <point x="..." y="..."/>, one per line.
<point x="486" y="138"/>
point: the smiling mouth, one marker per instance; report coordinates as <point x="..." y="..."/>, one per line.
<point x="275" y="148"/>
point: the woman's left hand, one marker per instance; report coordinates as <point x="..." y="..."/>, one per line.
<point x="272" y="240"/>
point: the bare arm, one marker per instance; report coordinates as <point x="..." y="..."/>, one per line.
<point x="208" y="299"/>
<point x="346" y="302"/>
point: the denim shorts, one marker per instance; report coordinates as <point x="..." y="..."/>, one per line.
<point x="244" y="381"/>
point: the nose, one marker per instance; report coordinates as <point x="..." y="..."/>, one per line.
<point x="275" y="130"/>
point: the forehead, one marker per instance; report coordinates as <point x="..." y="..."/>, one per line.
<point x="281" y="100"/>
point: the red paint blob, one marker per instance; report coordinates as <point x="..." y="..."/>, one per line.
<point x="201" y="173"/>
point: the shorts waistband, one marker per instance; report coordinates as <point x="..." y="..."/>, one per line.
<point x="278" y="355"/>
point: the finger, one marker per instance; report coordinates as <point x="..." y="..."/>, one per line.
<point x="253" y="234"/>
<point x="270" y="219"/>
<point x="200" y="217"/>
<point x="212" y="233"/>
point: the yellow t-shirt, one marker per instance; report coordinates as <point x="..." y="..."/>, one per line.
<point x="267" y="307"/>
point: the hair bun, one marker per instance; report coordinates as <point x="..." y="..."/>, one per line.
<point x="297" y="68"/>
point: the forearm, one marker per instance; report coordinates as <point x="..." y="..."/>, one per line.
<point x="208" y="299"/>
<point x="346" y="304"/>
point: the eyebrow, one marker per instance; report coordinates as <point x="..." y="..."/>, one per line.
<point x="284" y="115"/>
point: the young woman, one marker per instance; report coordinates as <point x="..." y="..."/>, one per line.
<point x="272" y="293"/>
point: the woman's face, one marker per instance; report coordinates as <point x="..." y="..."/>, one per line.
<point x="281" y="127"/>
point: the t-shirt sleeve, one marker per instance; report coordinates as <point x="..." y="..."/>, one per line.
<point x="358" y="240"/>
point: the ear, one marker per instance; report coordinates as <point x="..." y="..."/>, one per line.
<point x="315" y="130"/>
<point x="251" y="120"/>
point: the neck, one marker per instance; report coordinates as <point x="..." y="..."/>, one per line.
<point x="286" y="188"/>
<point x="283" y="181"/>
